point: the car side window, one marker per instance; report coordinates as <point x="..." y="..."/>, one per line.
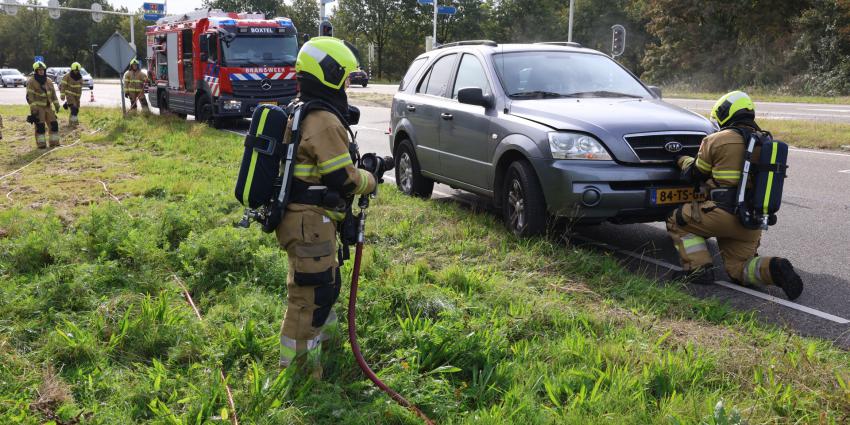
<point x="411" y="72"/>
<point x="470" y="73"/>
<point x="437" y="79"/>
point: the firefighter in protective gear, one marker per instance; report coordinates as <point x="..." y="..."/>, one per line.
<point x="41" y="93"/>
<point x="308" y="231"/>
<point x="70" y="90"/>
<point x="134" y="85"/>
<point x="718" y="169"/>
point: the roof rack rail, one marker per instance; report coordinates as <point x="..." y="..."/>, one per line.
<point x="561" y="43"/>
<point x="490" y="43"/>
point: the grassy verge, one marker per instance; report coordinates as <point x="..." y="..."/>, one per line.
<point x="811" y="134"/>
<point x="371" y="99"/>
<point x="758" y="96"/>
<point x="470" y="323"/>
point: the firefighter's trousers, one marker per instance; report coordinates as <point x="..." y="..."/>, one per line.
<point x="138" y="97"/>
<point x="45" y="118"/>
<point x="313" y="283"/>
<point x="74" y="107"/>
<point x="691" y="224"/>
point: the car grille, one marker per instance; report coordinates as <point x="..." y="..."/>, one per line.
<point x="652" y="147"/>
<point x="253" y="89"/>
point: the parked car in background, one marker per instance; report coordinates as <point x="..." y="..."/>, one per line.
<point x="10" y="77"/>
<point x="57" y="72"/>
<point x="359" y="77"/>
<point x="543" y="130"/>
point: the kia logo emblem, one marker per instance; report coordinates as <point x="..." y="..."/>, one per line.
<point x="673" y="146"/>
<point x="266" y="84"/>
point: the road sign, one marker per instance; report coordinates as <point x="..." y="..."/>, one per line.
<point x="11" y="7"/>
<point x="425" y="1"/>
<point x="117" y="52"/>
<point x="157" y="8"/>
<point x="152" y="16"/>
<point x="53" y="9"/>
<point x="96" y="8"/>
<point x="447" y="10"/>
<point x="39" y="59"/>
<point x="618" y="40"/>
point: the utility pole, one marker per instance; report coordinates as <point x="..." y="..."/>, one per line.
<point x="435" y="22"/>
<point x="570" y="31"/>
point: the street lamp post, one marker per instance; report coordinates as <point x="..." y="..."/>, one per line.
<point x="93" y="61"/>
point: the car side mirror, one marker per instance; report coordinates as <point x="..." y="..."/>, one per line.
<point x="474" y="96"/>
<point x="655" y="91"/>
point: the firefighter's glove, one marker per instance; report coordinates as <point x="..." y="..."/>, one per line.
<point x="376" y="165"/>
<point x="32" y="118"/>
<point x="65" y="106"/>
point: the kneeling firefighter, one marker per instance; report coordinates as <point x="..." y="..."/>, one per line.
<point x="41" y="93"/>
<point x="71" y="89"/>
<point x="324" y="171"/>
<point x="741" y="168"/>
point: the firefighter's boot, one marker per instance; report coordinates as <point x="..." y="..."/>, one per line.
<point x="784" y="276"/>
<point x="54" y="134"/>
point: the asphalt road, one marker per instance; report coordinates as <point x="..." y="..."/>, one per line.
<point x="813" y="230"/>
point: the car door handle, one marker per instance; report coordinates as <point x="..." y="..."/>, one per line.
<point x="411" y="108"/>
<point x="446" y="116"/>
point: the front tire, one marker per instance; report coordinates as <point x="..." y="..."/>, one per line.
<point x="523" y="204"/>
<point x="408" y="174"/>
<point x="365" y="84"/>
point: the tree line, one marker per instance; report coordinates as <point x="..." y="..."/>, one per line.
<point x="790" y="46"/>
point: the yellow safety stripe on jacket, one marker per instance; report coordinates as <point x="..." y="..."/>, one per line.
<point x="364" y="182"/>
<point x="703" y="166"/>
<point x="726" y="174"/>
<point x="335" y="215"/>
<point x="40" y="99"/>
<point x="306" y="170"/>
<point x="335" y="163"/>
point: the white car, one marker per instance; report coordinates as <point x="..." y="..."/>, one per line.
<point x="12" y="78"/>
<point x="56" y="74"/>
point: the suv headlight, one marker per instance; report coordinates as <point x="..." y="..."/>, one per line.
<point x="576" y="146"/>
<point x="232" y="105"/>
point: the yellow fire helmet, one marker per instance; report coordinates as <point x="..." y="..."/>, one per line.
<point x="134" y="62"/>
<point x="38" y="65"/>
<point x="736" y="104"/>
<point x="76" y="66"/>
<point x="328" y="59"/>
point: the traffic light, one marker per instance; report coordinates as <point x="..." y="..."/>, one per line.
<point x="326" y="29"/>
<point x="618" y="40"/>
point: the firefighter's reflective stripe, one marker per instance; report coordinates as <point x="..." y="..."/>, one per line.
<point x="70" y="86"/>
<point x="306" y="170"/>
<point x="38" y="98"/>
<point x="247" y="191"/>
<point x="290" y="348"/>
<point x="335" y="215"/>
<point x="694" y="243"/>
<point x="752" y="271"/>
<point x="769" y="177"/>
<point x="703" y="166"/>
<point x="726" y="174"/>
<point x="364" y="182"/>
<point x="335" y="163"/>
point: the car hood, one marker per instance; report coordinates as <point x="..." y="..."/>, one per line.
<point x="610" y="117"/>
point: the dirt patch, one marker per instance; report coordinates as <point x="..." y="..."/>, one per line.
<point x="52" y="394"/>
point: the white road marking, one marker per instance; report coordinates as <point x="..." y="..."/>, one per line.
<point x="819" y="152"/>
<point x="360" y="127"/>
<point x="732" y="286"/>
<point x="840" y="111"/>
<point x="845" y="171"/>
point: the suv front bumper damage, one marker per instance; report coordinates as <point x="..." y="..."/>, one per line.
<point x="597" y="191"/>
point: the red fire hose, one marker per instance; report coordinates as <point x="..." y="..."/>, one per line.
<point x="352" y="331"/>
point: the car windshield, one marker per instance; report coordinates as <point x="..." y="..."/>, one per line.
<point x="553" y="74"/>
<point x="84" y="72"/>
<point x="10" y="72"/>
<point x="260" y="51"/>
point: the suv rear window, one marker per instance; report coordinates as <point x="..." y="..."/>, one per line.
<point x="437" y="79"/>
<point x="411" y="72"/>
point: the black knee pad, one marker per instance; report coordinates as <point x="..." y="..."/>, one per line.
<point x="75" y="110"/>
<point x="40" y="128"/>
<point x="326" y="295"/>
<point x="54" y="126"/>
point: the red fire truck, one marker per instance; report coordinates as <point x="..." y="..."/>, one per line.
<point x="219" y="65"/>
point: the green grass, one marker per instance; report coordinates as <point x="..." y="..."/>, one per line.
<point x="757" y="95"/>
<point x="811" y="134"/>
<point x="470" y="323"/>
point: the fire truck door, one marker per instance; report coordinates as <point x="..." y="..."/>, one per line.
<point x="173" y="55"/>
<point x="188" y="70"/>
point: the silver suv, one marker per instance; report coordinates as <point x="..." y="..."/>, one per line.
<point x="547" y="129"/>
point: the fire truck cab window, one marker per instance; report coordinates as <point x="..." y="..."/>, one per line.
<point x="251" y="50"/>
<point x="212" y="49"/>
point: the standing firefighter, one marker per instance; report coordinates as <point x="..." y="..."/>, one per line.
<point x="41" y="93"/>
<point x="718" y="168"/>
<point x="308" y="230"/>
<point x="71" y="89"/>
<point x="134" y="85"/>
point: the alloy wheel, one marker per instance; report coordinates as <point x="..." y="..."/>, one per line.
<point x="516" y="205"/>
<point x="405" y="168"/>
